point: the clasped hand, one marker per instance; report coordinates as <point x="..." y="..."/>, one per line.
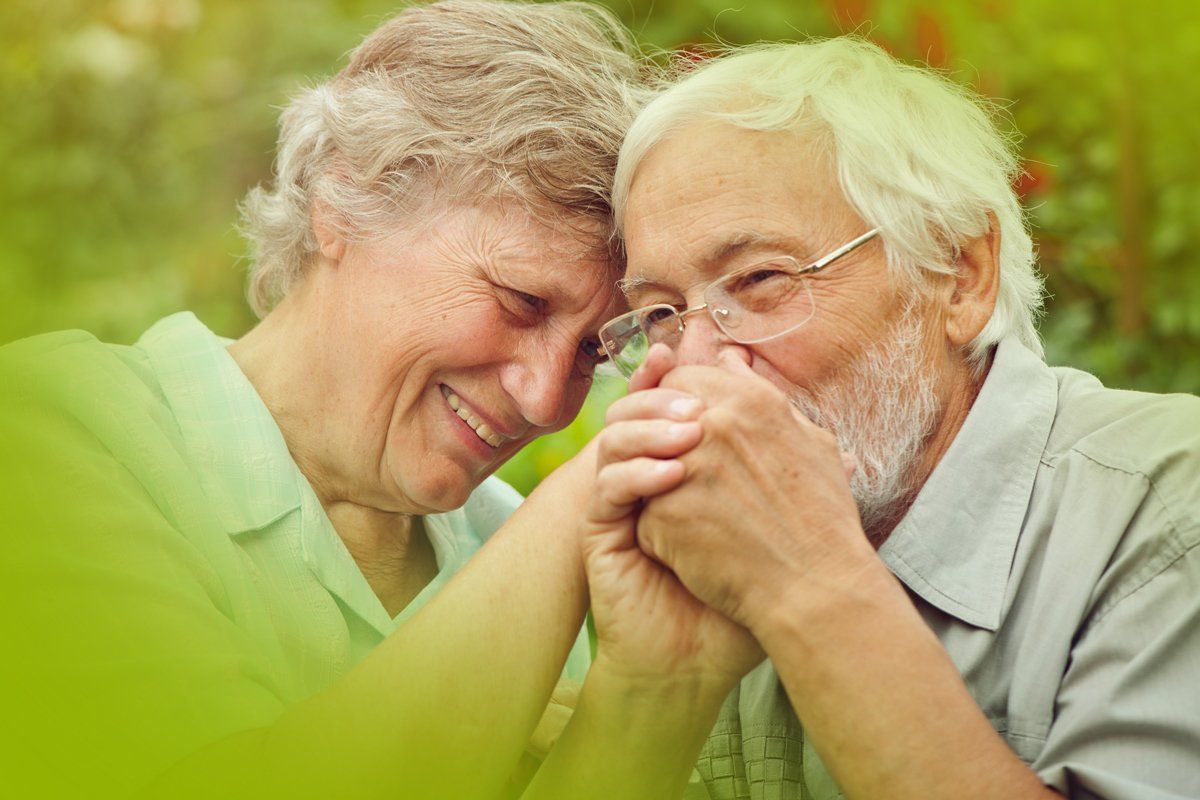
<point x="715" y="502"/>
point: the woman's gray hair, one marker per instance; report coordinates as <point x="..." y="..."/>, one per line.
<point x="458" y="100"/>
<point x="916" y="155"/>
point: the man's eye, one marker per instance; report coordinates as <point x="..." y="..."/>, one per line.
<point x="755" y="278"/>
<point x="657" y="316"/>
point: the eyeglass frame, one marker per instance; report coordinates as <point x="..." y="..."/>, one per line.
<point x="812" y="268"/>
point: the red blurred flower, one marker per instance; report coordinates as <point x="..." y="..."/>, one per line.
<point x="1037" y="177"/>
<point x="849" y="14"/>
<point x="931" y="39"/>
<point x="689" y="55"/>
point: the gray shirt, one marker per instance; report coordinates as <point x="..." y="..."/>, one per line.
<point x="1053" y="552"/>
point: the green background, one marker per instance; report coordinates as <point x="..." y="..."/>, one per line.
<point x="131" y="129"/>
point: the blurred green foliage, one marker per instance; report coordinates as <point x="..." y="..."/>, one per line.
<point x="132" y="128"/>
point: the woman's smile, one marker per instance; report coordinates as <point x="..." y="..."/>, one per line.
<point x="473" y="417"/>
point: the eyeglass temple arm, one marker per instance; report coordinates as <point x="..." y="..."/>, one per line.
<point x="825" y="261"/>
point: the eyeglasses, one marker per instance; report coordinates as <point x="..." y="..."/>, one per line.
<point x="752" y="305"/>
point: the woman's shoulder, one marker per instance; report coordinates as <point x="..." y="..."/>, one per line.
<point x="84" y="421"/>
<point x="105" y="388"/>
<point x="75" y="360"/>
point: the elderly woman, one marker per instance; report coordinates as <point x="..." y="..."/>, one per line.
<point x="218" y="550"/>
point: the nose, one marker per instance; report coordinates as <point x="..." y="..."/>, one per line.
<point x="701" y="341"/>
<point x="540" y="381"/>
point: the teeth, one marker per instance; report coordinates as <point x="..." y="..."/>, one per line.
<point x="481" y="428"/>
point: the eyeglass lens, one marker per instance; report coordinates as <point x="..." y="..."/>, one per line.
<point x="767" y="300"/>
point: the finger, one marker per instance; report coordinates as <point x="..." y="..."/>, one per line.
<point x="659" y="361"/>
<point x="654" y="438"/>
<point x="655" y="404"/>
<point x="711" y="383"/>
<point x="622" y="485"/>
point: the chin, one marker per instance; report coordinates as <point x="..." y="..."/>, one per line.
<point x="437" y="493"/>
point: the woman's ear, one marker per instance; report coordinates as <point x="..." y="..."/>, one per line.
<point x="976" y="286"/>
<point x="329" y="238"/>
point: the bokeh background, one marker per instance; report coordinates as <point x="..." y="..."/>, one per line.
<point x="131" y="128"/>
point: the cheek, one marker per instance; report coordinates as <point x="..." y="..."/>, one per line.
<point x="795" y="361"/>
<point x="837" y="335"/>
<point x="482" y="336"/>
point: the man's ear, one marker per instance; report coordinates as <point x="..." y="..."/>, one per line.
<point x="975" y="286"/>
<point x="329" y="239"/>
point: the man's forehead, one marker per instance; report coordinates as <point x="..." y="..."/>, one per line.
<point x="752" y="191"/>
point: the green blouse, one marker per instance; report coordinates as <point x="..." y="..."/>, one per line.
<point x="173" y="576"/>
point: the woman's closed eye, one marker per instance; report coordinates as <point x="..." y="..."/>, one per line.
<point x="526" y="305"/>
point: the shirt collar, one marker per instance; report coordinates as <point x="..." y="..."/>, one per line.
<point x="955" y="546"/>
<point x="243" y="464"/>
<point x="241" y="459"/>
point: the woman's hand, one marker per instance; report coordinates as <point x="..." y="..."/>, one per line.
<point x="649" y="627"/>
<point x="766" y="503"/>
<point x="666" y="661"/>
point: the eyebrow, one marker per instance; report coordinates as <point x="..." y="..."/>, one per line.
<point x="737" y="244"/>
<point x="726" y="250"/>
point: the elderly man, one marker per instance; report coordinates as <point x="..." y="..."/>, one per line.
<point x="1003" y="599"/>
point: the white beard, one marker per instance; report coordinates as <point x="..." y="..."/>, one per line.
<point x="881" y="408"/>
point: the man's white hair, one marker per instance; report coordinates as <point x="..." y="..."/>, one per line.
<point x="916" y="155"/>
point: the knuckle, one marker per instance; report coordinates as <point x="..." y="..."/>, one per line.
<point x="606" y="446"/>
<point x="764" y="400"/>
<point x="607" y="483"/>
<point x="721" y="420"/>
<point x="623" y="408"/>
<point x="664" y="511"/>
<point x="679" y="378"/>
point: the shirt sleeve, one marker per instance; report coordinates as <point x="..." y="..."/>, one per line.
<point x="121" y="656"/>
<point x="1127" y="721"/>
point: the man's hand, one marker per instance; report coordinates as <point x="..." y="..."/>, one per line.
<point x="766" y="506"/>
<point x="649" y="626"/>
<point x="665" y="660"/>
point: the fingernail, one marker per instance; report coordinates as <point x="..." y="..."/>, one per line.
<point x="664" y="466"/>
<point x="685" y="408"/>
